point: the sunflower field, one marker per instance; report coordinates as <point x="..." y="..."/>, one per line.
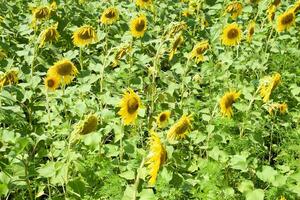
<point x="150" y="99"/>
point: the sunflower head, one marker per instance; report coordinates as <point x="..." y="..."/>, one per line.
<point x="120" y="53"/>
<point x="251" y="29"/>
<point x="49" y="35"/>
<point x="235" y="9"/>
<point x="129" y="106"/>
<point x="41" y="13"/>
<point x="109" y="16"/>
<point x="157" y="156"/>
<point x="138" y="26"/>
<point x="87" y="125"/>
<point x="144" y="3"/>
<point x="51" y="82"/>
<point x="281" y="107"/>
<point x="180" y="129"/>
<point x="9" y="78"/>
<point x="226" y="102"/>
<point x="276" y="2"/>
<point x="231" y="35"/>
<point x="271" y="12"/>
<point x="199" y="49"/>
<point x="268" y="84"/>
<point x="84" y="35"/>
<point x="64" y="69"/>
<point x="176" y="43"/>
<point x="296" y="7"/>
<point x="163" y="118"/>
<point x="285" y="20"/>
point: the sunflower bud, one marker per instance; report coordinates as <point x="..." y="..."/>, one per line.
<point x="88" y="125"/>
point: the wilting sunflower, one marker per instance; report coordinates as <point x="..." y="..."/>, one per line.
<point x="64" y="70"/>
<point x="87" y="125"/>
<point x="235" y="9"/>
<point x="285" y="20"/>
<point x="251" y="29"/>
<point x="227" y="101"/>
<point x="109" y="16"/>
<point x="41" y="13"/>
<point x="271" y="12"/>
<point x="49" y="35"/>
<point x="130" y="105"/>
<point x="138" y="26"/>
<point x="84" y="35"/>
<point x="231" y="35"/>
<point x="121" y="52"/>
<point x="281" y="107"/>
<point x="144" y="3"/>
<point x="267" y="85"/>
<point x="163" y="118"/>
<point x="9" y="78"/>
<point x="51" y="82"/>
<point x="180" y="129"/>
<point x="157" y="156"/>
<point x="198" y="50"/>
<point x="176" y="43"/>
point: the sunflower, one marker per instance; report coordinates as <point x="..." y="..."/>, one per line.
<point x="144" y="3"/>
<point x="64" y="70"/>
<point x="87" y="125"/>
<point x="163" y="118"/>
<point x="84" y="35"/>
<point x="281" y="107"/>
<point x="157" y="156"/>
<point x="231" y="35"/>
<point x="268" y="84"/>
<point x="138" y="26"/>
<point x="271" y="12"/>
<point x="51" y="82"/>
<point x="130" y="105"/>
<point x="227" y="101"/>
<point x="109" y="16"/>
<point x="235" y="9"/>
<point x="285" y="20"/>
<point x="276" y="2"/>
<point x="198" y="50"/>
<point x="176" y="43"/>
<point x="296" y="7"/>
<point x="9" y="78"/>
<point x="41" y="13"/>
<point x="122" y="51"/>
<point x="180" y="129"/>
<point x="251" y="29"/>
<point x="49" y="35"/>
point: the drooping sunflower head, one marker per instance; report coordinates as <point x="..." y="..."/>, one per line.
<point x="9" y="78"/>
<point x="268" y="84"/>
<point x="144" y="3"/>
<point x="51" y="82"/>
<point x="176" y="43"/>
<point x="87" y="125"/>
<point x="199" y="49"/>
<point x="251" y="29"/>
<point x="109" y="16"/>
<point x="64" y="69"/>
<point x="84" y="35"/>
<point x="180" y="129"/>
<point x="120" y="53"/>
<point x="231" y="35"/>
<point x="235" y="9"/>
<point x="226" y="102"/>
<point x="138" y="26"/>
<point x="271" y="12"/>
<point x="129" y="106"/>
<point x="296" y="7"/>
<point x="285" y="20"/>
<point x="163" y="118"/>
<point x="49" y="35"/>
<point x="157" y="156"/>
<point x="41" y="13"/>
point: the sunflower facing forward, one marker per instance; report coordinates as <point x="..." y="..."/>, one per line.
<point x="109" y="16"/>
<point x="157" y="156"/>
<point x="138" y="26"/>
<point x="180" y="129"/>
<point x="51" y="83"/>
<point x="49" y="35"/>
<point x="144" y="3"/>
<point x="84" y="35"/>
<point x="163" y="118"/>
<point x="285" y="20"/>
<point x="198" y="51"/>
<point x="130" y="105"/>
<point x="268" y="84"/>
<point x="226" y="102"/>
<point x="231" y="35"/>
<point x="251" y="29"/>
<point x="64" y="70"/>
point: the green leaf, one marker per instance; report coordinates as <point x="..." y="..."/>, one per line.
<point x="147" y="194"/>
<point x="267" y="174"/>
<point x="239" y="162"/>
<point x="257" y="194"/>
<point x="246" y="186"/>
<point x="48" y="170"/>
<point x="128" y="175"/>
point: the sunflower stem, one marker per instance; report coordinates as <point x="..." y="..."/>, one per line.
<point x="48" y="107"/>
<point x="80" y="58"/>
<point x="137" y="179"/>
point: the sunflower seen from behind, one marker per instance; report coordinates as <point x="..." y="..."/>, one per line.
<point x="109" y="16"/>
<point x="231" y="35"/>
<point x="144" y="3"/>
<point x="84" y="35"/>
<point x="199" y="50"/>
<point x="157" y="156"/>
<point x="49" y="35"/>
<point x="129" y="107"/>
<point x="138" y="26"/>
<point x="163" y="119"/>
<point x="52" y="82"/>
<point x="226" y="102"/>
<point x="286" y="20"/>
<point x="64" y="69"/>
<point x="180" y="129"/>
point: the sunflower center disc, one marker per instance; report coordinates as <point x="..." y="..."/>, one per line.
<point x="50" y="83"/>
<point x="42" y="13"/>
<point x="162" y="117"/>
<point x="140" y="25"/>
<point x="229" y="101"/>
<point x="251" y="31"/>
<point x="132" y="105"/>
<point x="64" y="69"/>
<point x="287" y="19"/>
<point x="233" y="33"/>
<point x="110" y="14"/>
<point x="85" y="35"/>
<point x="182" y="128"/>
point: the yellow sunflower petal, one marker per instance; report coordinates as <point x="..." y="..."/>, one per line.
<point x="231" y="35"/>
